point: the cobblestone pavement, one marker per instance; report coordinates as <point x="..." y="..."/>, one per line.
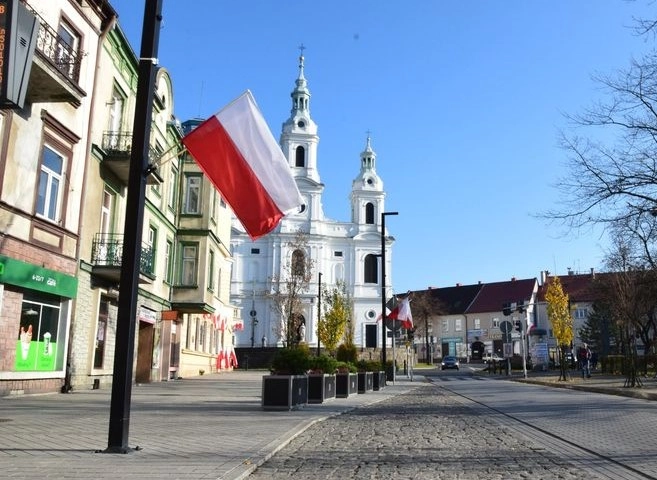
<point x="422" y="434"/>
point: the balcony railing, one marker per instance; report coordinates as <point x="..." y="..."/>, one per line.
<point x="117" y="143"/>
<point x="59" y="53"/>
<point x="107" y="251"/>
<point x="117" y="146"/>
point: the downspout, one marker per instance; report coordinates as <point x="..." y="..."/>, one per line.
<point x="105" y="29"/>
<point x="467" y="345"/>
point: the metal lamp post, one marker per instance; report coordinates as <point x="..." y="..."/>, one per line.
<point x="383" y="288"/>
<point x="319" y="311"/>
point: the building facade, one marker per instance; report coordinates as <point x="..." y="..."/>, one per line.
<point x="43" y="160"/>
<point x="340" y="251"/>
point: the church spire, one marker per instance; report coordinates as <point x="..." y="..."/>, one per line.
<point x="301" y="94"/>
<point x="368" y="157"/>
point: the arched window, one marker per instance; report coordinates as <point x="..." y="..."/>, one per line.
<point x="371" y="269"/>
<point x="369" y="214"/>
<point x="300" y="157"/>
<point x="298" y="263"/>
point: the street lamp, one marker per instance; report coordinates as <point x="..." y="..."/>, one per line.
<point x="383" y="287"/>
<point x="319" y="311"/>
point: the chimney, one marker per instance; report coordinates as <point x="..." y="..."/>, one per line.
<point x="513" y="279"/>
<point x="592" y="272"/>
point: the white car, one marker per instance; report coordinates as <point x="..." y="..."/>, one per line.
<point x="490" y="358"/>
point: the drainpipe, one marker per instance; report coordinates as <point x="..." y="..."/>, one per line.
<point x="105" y="29"/>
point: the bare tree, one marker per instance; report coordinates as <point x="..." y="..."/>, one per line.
<point x="289" y="288"/>
<point x="425" y="305"/>
<point x="609" y="183"/>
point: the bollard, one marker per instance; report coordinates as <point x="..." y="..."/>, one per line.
<point x="246" y="362"/>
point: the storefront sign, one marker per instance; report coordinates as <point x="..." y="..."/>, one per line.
<point x="34" y="277"/>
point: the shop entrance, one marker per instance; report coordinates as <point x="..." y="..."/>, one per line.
<point x="145" y="352"/>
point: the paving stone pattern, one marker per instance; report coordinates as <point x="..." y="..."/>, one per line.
<point x="423" y="434"/>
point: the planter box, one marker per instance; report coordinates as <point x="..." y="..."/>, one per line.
<point x="346" y="384"/>
<point x="365" y="382"/>
<point x="379" y="380"/>
<point x="284" y="392"/>
<point x="321" y="387"/>
<point x="390" y="373"/>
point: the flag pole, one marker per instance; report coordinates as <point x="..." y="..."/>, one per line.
<point x="119" y="424"/>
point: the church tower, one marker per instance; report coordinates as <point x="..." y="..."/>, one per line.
<point x="340" y="251"/>
<point x="299" y="144"/>
<point x="367" y="195"/>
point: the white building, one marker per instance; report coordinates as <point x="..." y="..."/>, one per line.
<point x="346" y="251"/>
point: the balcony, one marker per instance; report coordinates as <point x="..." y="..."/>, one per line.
<point x="55" y="69"/>
<point x="117" y="147"/>
<point x="107" y="255"/>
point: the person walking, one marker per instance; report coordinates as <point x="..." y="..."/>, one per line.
<point x="584" y="358"/>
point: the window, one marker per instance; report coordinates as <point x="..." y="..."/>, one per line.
<point x="168" y="262"/>
<point x="300" y="160"/>
<point x="298" y="263"/>
<point x="445" y="325"/>
<point x="192" y="194"/>
<point x="255" y="251"/>
<point x="40" y="338"/>
<point x="189" y="265"/>
<point x="67" y="48"/>
<point x="213" y="210"/>
<point x="581" y="313"/>
<point x="173" y="188"/>
<point x="458" y="324"/>
<point x="477" y="323"/>
<point x="211" y="271"/>
<point x="101" y="333"/>
<point x="337" y="253"/>
<point x="50" y="181"/>
<point x="369" y="214"/>
<point x="496" y="322"/>
<point x="371" y="269"/>
<point x="115" y="115"/>
<point x="152" y="242"/>
<point x="106" y="210"/>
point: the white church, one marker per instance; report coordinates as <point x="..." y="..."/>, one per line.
<point x="340" y="251"/>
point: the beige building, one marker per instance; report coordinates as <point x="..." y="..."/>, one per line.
<point x="43" y="161"/>
<point x="65" y="160"/>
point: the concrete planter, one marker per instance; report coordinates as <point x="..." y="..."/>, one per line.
<point x="365" y="382"/>
<point x="379" y="380"/>
<point x="346" y="384"/>
<point x="321" y="387"/>
<point x="284" y="392"/>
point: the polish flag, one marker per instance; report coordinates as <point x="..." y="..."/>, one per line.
<point x="402" y="312"/>
<point x="240" y="156"/>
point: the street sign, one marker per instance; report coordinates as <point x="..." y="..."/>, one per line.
<point x="508" y="350"/>
<point x="505" y="326"/>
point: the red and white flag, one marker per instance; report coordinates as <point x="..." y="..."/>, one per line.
<point x="402" y="312"/>
<point x="240" y="156"/>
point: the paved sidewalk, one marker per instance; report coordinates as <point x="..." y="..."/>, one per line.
<point x="206" y="427"/>
<point x="600" y="383"/>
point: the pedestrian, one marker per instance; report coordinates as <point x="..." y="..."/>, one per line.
<point x="594" y="361"/>
<point x="584" y="358"/>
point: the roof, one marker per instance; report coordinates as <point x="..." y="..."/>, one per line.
<point x="580" y="288"/>
<point x="453" y="300"/>
<point x="493" y="296"/>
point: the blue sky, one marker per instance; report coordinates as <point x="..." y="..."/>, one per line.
<point x="464" y="100"/>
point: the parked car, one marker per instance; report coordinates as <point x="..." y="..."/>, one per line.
<point x="449" y="362"/>
<point x="490" y="358"/>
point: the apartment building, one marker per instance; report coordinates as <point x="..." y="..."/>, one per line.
<point x="43" y="161"/>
